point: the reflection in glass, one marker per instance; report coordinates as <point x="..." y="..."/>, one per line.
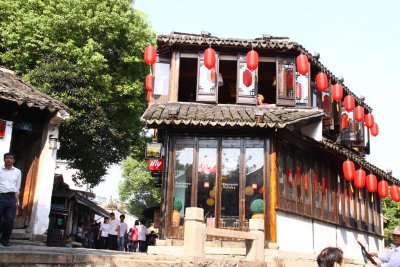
<point x="285" y="78"/>
<point x="254" y="187"/>
<point x="302" y="85"/>
<point x="230" y="187"/>
<point x="183" y="177"/>
<point x="207" y="167"/>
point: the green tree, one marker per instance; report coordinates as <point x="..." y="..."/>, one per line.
<point x="137" y="187"/>
<point x="391" y="213"/>
<point x="88" y="54"/>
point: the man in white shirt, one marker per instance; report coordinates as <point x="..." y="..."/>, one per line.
<point x="392" y="257"/>
<point x="10" y="182"/>
<point x="113" y="233"/>
<point x="123" y="229"/>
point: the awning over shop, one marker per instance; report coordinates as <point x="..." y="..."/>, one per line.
<point x="90" y="204"/>
<point x="196" y="114"/>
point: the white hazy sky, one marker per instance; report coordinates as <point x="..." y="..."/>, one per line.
<point x="358" y="40"/>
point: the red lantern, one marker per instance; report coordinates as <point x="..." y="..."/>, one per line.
<point x="349" y="103"/>
<point x="290" y="178"/>
<point x="395" y="193"/>
<point x="348" y="170"/>
<point x="375" y="129"/>
<point x="337" y="92"/>
<point x="372" y="183"/>
<point x="209" y="58"/>
<point x="289" y="80"/>
<point x="383" y="189"/>
<point x="359" y="178"/>
<point x="299" y="91"/>
<point x="150" y="55"/>
<point x="369" y="120"/>
<point x="211" y="75"/>
<point x="345" y="121"/>
<point x="322" y="81"/>
<point x="302" y="64"/>
<point x="252" y="60"/>
<point x="247" y="78"/>
<point x="305" y="177"/>
<point x="359" y="113"/>
<point x="323" y="185"/>
<point x="149" y="82"/>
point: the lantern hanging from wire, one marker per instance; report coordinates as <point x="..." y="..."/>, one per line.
<point x="369" y="120"/>
<point x="348" y="170"/>
<point x="359" y="178"/>
<point x="302" y="65"/>
<point x="337" y="92"/>
<point x="149" y="82"/>
<point x="371" y="183"/>
<point x="150" y="55"/>
<point x="383" y="189"/>
<point x="395" y="193"/>
<point x="359" y="113"/>
<point x="252" y="60"/>
<point x="374" y="129"/>
<point x="348" y="103"/>
<point x="322" y="81"/>
<point x="209" y="58"/>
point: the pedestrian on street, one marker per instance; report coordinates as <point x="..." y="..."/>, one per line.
<point x="103" y="236"/>
<point x="142" y="232"/>
<point x="113" y="233"/>
<point x="134" y="241"/>
<point x="10" y="183"/>
<point x="122" y="230"/>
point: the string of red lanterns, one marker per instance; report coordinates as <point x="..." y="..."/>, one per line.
<point x="359" y="113"/>
<point x="252" y="60"/>
<point x="322" y="81"/>
<point x="150" y="57"/>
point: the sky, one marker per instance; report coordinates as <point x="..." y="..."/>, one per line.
<point x="357" y="40"/>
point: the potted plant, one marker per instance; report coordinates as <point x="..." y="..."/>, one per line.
<point x="257" y="209"/>
<point x="176" y="215"/>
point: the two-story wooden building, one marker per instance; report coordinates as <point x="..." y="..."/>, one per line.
<point x="222" y="150"/>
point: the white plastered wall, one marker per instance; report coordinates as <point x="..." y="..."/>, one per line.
<point x="6" y="141"/>
<point x="304" y="235"/>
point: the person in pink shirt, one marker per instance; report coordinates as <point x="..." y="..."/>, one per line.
<point x="134" y="238"/>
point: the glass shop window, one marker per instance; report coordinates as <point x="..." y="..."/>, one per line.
<point x="206" y="175"/>
<point x="254" y="185"/>
<point x="182" y="181"/>
<point x="230" y="163"/>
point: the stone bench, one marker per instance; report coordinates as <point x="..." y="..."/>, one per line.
<point x="195" y="235"/>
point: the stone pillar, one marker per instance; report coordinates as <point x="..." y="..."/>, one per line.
<point x="255" y="248"/>
<point x="194" y="237"/>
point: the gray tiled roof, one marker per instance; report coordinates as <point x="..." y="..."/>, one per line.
<point x="12" y="88"/>
<point x="196" y="114"/>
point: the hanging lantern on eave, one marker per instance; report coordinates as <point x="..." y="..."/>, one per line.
<point x="369" y="120"/>
<point x="337" y="92"/>
<point x="290" y="178"/>
<point x="345" y="120"/>
<point x="359" y="113"/>
<point x="374" y="129"/>
<point x="150" y="55"/>
<point x="305" y="177"/>
<point x="323" y="185"/>
<point x="149" y="82"/>
<point x="383" y="189"/>
<point x="359" y="178"/>
<point x="348" y="103"/>
<point x="371" y="183"/>
<point x="322" y="81"/>
<point x="299" y="91"/>
<point x="209" y="58"/>
<point x="395" y="193"/>
<point x="302" y="66"/>
<point x="247" y="78"/>
<point x="252" y="60"/>
<point x="348" y="170"/>
<point x="289" y="80"/>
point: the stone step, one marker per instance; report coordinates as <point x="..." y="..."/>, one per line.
<point x="20" y="235"/>
<point x="27" y="242"/>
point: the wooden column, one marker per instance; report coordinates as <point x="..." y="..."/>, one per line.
<point x="272" y="191"/>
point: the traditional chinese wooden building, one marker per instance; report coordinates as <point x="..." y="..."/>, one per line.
<point x="223" y="151"/>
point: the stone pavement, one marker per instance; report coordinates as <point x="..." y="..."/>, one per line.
<point x="29" y="256"/>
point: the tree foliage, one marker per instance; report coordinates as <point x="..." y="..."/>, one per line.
<point x="137" y="187"/>
<point x="88" y="54"/>
<point x="391" y="213"/>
